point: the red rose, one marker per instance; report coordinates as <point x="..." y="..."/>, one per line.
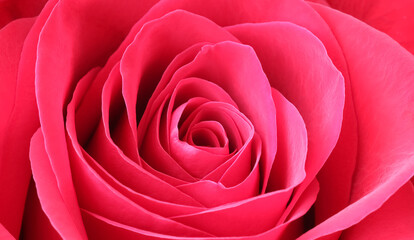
<point x="224" y="119"/>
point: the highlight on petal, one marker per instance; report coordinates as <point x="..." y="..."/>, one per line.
<point x="144" y="63"/>
<point x="4" y="234"/>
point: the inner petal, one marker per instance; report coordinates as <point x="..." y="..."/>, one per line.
<point x="204" y="137"/>
<point x="213" y="128"/>
<point x="222" y="119"/>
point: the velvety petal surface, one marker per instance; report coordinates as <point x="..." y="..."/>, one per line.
<point x="391" y="17"/>
<point x="66" y="222"/>
<point x="14" y="9"/>
<point x="289" y="166"/>
<point x="22" y="120"/>
<point x="316" y="90"/>
<point x="14" y="163"/>
<point x="393" y="220"/>
<point x="381" y="95"/>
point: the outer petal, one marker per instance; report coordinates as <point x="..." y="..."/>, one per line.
<point x="235" y="12"/>
<point x="394" y="220"/>
<point x="14" y="136"/>
<point x="23" y="119"/>
<point x="77" y="36"/>
<point x="13" y="9"/>
<point x="394" y="18"/>
<point x="382" y="80"/>
<point x="66" y="222"/>
<point x="36" y="225"/>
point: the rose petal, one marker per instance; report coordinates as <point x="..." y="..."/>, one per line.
<point x="197" y="162"/>
<point x="4" y="234"/>
<point x="102" y="228"/>
<point x="111" y="228"/>
<point x="212" y="194"/>
<point x="230" y="119"/>
<point x="96" y="195"/>
<point x="35" y="224"/>
<point x="154" y="153"/>
<point x="13" y="9"/>
<point x="111" y="159"/>
<point x="209" y="136"/>
<point x="391" y="17"/>
<point x="25" y="115"/>
<point x="254" y="218"/>
<point x="393" y="220"/>
<point x="289" y="167"/>
<point x="15" y="128"/>
<point x="234" y="12"/>
<point x="63" y="218"/>
<point x="144" y="62"/>
<point x="381" y="85"/>
<point x="316" y="90"/>
<point x="297" y="12"/>
<point x="252" y="94"/>
<point x="71" y="31"/>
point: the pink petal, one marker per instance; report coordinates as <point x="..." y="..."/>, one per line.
<point x="233" y="12"/>
<point x="381" y="86"/>
<point x="391" y="17"/>
<point x="15" y="127"/>
<point x="232" y="121"/>
<point x="112" y="162"/>
<point x="144" y="61"/>
<point x="108" y="227"/>
<point x="316" y="90"/>
<point x="71" y="31"/>
<point x="254" y="218"/>
<point x="35" y="224"/>
<point x="212" y="194"/>
<point x="289" y="167"/>
<point x="64" y="219"/>
<point x="154" y="153"/>
<point x="101" y="228"/>
<point x="96" y="195"/>
<point x="252" y="94"/>
<point x="21" y="121"/>
<point x="394" y="220"/>
<point x="4" y="234"/>
<point x="14" y="9"/>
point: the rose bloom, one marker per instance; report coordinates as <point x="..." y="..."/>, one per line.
<point x="194" y="119"/>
